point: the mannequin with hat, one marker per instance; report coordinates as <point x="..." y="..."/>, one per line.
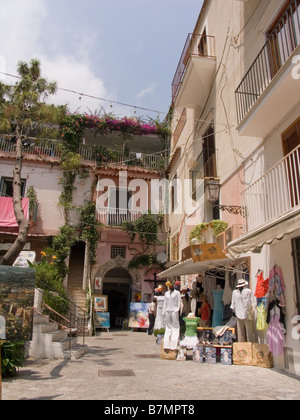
<point x="159" y="320"/>
<point x="241" y="305"/>
<point x="171" y="308"/>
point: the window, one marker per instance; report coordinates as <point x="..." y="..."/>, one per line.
<point x="6" y="187"/>
<point x="296" y="257"/>
<point x="284" y="35"/>
<point x="117" y="250"/>
<point x="174" y="193"/>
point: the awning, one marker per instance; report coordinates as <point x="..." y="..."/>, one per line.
<point x="190" y="267"/>
<point x="266" y="235"/>
<point x="7" y="214"/>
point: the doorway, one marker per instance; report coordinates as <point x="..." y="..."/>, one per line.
<point x="117" y="287"/>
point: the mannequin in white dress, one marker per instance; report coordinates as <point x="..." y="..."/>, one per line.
<point x="171" y="308"/>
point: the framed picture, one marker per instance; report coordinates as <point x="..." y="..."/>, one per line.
<point x="101" y="303"/>
<point x="138" y="317"/>
<point x="102" y="319"/>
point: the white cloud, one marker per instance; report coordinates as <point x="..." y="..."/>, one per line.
<point x="147" y="91"/>
<point x="22" y="22"/>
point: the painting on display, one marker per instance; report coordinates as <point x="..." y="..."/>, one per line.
<point x="138" y="316"/>
<point x="102" y="319"/>
<point x="101" y="303"/>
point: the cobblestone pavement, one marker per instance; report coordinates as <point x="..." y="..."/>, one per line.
<point x="126" y="366"/>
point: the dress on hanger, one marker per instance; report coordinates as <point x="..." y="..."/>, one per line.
<point x="275" y="336"/>
<point x="262" y="286"/>
<point x="218" y="314"/>
<point x="261" y="323"/>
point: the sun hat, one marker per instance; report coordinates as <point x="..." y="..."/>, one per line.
<point x="191" y="315"/>
<point x="242" y="283"/>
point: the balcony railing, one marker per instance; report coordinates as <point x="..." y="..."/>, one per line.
<point x="280" y="45"/>
<point x="109" y="216"/>
<point x="53" y="149"/>
<point x="196" y="46"/>
<point x="275" y="194"/>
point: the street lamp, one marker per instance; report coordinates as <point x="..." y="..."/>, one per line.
<point x="212" y="190"/>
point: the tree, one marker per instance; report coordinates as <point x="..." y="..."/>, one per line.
<point x="24" y="115"/>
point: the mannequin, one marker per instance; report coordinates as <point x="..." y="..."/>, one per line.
<point x="241" y="306"/>
<point x="159" y="320"/>
<point x="190" y="340"/>
<point x="218" y="314"/>
<point x="171" y="310"/>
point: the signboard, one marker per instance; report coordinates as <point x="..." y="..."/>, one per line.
<point x="24" y="257"/>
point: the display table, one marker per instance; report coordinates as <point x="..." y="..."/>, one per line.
<point x="216" y="348"/>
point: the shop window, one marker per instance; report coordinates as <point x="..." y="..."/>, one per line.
<point x="117" y="250"/>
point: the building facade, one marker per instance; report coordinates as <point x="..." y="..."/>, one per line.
<point x="121" y="168"/>
<point x="236" y="132"/>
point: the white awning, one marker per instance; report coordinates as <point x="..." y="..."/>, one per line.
<point x="266" y="235"/>
<point x="190" y="267"/>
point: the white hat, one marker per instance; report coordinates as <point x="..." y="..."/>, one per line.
<point x="191" y="315"/>
<point x="242" y="283"/>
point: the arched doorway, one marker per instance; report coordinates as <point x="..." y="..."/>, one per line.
<point x="117" y="286"/>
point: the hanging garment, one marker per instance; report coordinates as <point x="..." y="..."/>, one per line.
<point x="275" y="336"/>
<point x="261" y="323"/>
<point x="227" y="296"/>
<point x="171" y="309"/>
<point x="209" y="284"/>
<point x="262" y="286"/>
<point x="218" y="314"/>
<point x="276" y="286"/>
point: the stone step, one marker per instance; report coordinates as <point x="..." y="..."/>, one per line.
<point x="76" y="352"/>
<point x="62" y="346"/>
<point x="45" y="328"/>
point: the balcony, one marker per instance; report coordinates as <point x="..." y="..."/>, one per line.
<point x="267" y="92"/>
<point x="276" y="194"/>
<point x="109" y="216"/>
<point x="195" y="71"/>
<point x="51" y="151"/>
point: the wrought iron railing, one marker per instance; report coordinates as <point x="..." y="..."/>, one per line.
<point x="281" y="43"/>
<point x="47" y="148"/>
<point x="195" y="46"/>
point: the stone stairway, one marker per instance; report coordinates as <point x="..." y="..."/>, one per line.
<point x="50" y="342"/>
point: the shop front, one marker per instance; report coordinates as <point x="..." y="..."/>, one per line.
<point x="238" y="313"/>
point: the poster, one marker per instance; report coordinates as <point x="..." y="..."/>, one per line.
<point x="102" y="319"/>
<point x="138" y="316"/>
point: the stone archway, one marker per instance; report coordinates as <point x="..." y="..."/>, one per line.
<point x="118" y="262"/>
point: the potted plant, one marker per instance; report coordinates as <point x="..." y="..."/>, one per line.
<point x="207" y="232"/>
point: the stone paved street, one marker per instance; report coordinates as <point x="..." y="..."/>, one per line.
<point x="136" y="354"/>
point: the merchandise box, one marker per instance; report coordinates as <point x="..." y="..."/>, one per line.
<point x="198" y="354"/>
<point x="210" y="355"/>
<point x="226" y="356"/>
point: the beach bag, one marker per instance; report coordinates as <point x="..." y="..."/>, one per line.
<point x="167" y="354"/>
<point x="243" y="354"/>
<point x="262" y="357"/>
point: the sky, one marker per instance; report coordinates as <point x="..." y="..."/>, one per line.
<point x="119" y="50"/>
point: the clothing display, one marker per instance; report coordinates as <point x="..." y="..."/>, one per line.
<point x="275" y="336"/>
<point x="190" y="339"/>
<point x="218" y="313"/>
<point x="262" y="286"/>
<point x="160" y="319"/>
<point x="276" y="285"/>
<point x="261" y="323"/>
<point x="241" y="303"/>
<point x="171" y="309"/>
